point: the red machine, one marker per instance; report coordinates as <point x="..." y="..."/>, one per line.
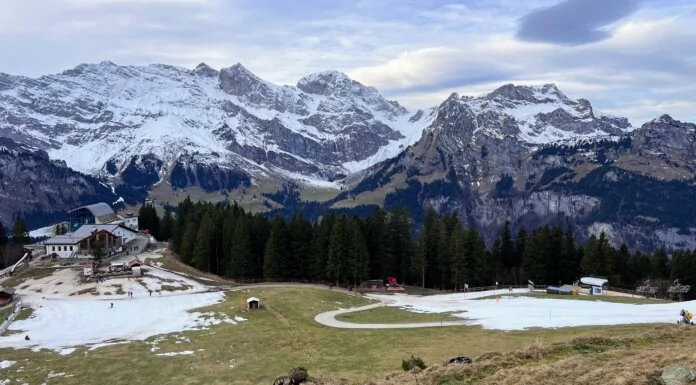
<point x="392" y="285"/>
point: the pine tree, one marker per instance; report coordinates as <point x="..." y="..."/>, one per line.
<point x="360" y="255"/>
<point x="275" y="258"/>
<point x="241" y="257"/>
<point x="458" y="253"/>
<point x="533" y="263"/>
<point x="419" y="263"/>
<point x="148" y="220"/>
<point x="520" y="242"/>
<point x="320" y="247"/>
<point x="402" y="244"/>
<point x="475" y="259"/>
<point x="620" y="265"/>
<point x="203" y="251"/>
<point x="166" y="226"/>
<point x="3" y="235"/>
<point x="593" y="258"/>
<point x="382" y="261"/>
<point x="183" y="213"/>
<point x="660" y="263"/>
<point x="507" y="253"/>
<point x="188" y="238"/>
<point x="20" y="232"/>
<point x="444" y="260"/>
<point x="300" y="231"/>
<point x="338" y="251"/>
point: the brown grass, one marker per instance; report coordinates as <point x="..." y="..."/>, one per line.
<point x="637" y="358"/>
<point x="393" y="315"/>
<point x="30" y="273"/>
<point x="170" y="261"/>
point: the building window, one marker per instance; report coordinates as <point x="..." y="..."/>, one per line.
<point x="53" y="248"/>
<point x="70" y="248"/>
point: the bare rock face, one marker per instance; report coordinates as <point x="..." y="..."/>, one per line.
<point x="37" y="188"/>
<point x="532" y="156"/>
<point x="104" y="119"/>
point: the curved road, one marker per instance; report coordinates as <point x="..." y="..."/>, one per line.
<point x="329" y="319"/>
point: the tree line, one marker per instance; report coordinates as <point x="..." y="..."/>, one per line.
<point x="229" y="241"/>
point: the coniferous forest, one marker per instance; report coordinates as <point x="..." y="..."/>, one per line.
<point x="442" y="254"/>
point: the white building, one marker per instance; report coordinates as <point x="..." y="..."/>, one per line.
<point x="79" y="243"/>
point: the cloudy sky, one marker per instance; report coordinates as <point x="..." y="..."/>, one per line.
<point x="633" y="58"/>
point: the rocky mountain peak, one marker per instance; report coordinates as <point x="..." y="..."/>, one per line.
<point x="204" y="69"/>
<point x="238" y="80"/>
<point x="327" y="83"/>
<point x="665" y="133"/>
<point x="530" y="94"/>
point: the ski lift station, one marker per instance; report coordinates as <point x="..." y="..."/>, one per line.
<point x="596" y="286"/>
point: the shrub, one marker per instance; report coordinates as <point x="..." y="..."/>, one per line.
<point x="413" y="362"/>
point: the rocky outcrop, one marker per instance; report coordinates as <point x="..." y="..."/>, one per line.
<point x="677" y="375"/>
<point x="635" y="187"/>
<point x="41" y="190"/>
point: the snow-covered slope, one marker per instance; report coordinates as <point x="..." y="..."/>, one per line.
<point x="535" y="115"/>
<point x="104" y="119"/>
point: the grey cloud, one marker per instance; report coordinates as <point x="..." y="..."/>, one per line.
<point x="574" y="22"/>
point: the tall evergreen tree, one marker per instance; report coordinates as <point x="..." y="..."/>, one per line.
<point x="241" y="256"/>
<point x="188" y="238"/>
<point x="508" y="255"/>
<point x="520" y="242"/>
<point x="359" y="262"/>
<point x="166" y="226"/>
<point x="20" y="232"/>
<point x="148" y="220"/>
<point x="419" y="262"/>
<point x="204" y="244"/>
<point x="3" y="235"/>
<point x="320" y="247"/>
<point x="275" y="258"/>
<point x="660" y="264"/>
<point x="402" y="244"/>
<point x="593" y="259"/>
<point x="339" y="251"/>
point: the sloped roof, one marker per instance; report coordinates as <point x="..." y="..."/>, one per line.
<point x="65" y="239"/>
<point x="85" y="231"/>
<point x="593" y="281"/>
<point x="97" y="209"/>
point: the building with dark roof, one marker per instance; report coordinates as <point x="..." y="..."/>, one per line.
<point x="98" y="213"/>
<point x="80" y="243"/>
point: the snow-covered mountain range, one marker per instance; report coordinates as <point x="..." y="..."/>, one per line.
<point x="144" y="124"/>
<point x="99" y="118"/>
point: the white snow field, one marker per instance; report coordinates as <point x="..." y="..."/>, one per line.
<point x="519" y="313"/>
<point x="63" y="320"/>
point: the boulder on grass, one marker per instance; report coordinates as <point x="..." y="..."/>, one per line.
<point x="459" y="360"/>
<point x="296" y="376"/>
<point x="677" y="375"/>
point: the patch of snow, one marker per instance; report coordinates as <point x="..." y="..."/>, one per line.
<point x="66" y="352"/>
<point x="6" y="364"/>
<point x="519" y="313"/>
<point x="59" y="324"/>
<point x="43" y="232"/>
<point x="184" y="353"/>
